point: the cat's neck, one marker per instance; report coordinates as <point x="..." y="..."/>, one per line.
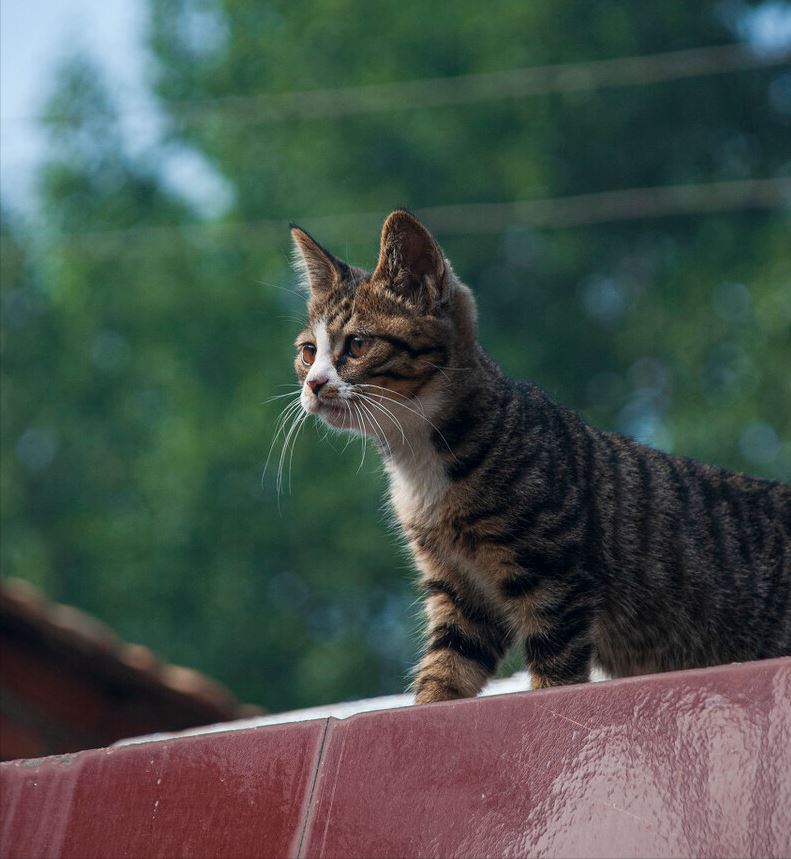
<point x="416" y="461"/>
<point x="418" y="480"/>
<point x="461" y="392"/>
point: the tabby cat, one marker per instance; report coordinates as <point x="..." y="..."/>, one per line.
<point x="528" y="526"/>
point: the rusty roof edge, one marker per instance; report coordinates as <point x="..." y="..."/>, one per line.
<point x="80" y="632"/>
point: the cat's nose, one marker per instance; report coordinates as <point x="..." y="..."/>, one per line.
<point x="317" y="383"/>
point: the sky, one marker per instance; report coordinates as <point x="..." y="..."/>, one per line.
<point x="35" y="35"/>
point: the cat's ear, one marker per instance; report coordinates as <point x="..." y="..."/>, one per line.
<point x="318" y="269"/>
<point x="410" y="260"/>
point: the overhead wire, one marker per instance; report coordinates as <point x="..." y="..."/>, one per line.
<point x="625" y="204"/>
<point x="589" y="75"/>
<point x="479" y="218"/>
<point x="487" y="86"/>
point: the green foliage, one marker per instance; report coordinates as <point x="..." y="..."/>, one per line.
<point x="140" y="354"/>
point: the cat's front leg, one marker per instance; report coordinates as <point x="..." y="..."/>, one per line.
<point x="464" y="644"/>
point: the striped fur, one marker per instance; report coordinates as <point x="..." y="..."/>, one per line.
<point x="528" y="526"/>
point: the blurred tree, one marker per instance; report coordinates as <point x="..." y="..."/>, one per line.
<point x="139" y="353"/>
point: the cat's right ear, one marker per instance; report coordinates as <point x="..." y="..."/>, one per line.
<point x="317" y="268"/>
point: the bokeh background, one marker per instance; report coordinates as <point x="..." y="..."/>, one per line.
<point x="625" y="226"/>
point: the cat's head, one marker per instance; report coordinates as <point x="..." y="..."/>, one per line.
<point x="381" y="349"/>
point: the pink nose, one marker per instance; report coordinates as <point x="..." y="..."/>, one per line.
<point x="316" y="384"/>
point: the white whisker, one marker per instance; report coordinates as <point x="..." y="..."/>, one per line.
<point x="285" y="415"/>
<point x="362" y="435"/>
<point x="382" y="408"/>
<point x="421" y="414"/>
<point x="295" y="424"/>
<point x="302" y="422"/>
<point x="381" y="433"/>
<point x="279" y="397"/>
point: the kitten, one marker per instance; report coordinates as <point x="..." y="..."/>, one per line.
<point x="527" y="525"/>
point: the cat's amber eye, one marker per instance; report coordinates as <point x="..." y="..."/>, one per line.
<point x="359" y="345"/>
<point x="307" y="354"/>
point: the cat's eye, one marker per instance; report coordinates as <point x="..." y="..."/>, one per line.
<point x="307" y="354"/>
<point x="359" y="345"/>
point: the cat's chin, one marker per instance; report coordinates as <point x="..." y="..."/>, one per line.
<point x="338" y="417"/>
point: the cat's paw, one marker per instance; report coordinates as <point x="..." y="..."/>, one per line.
<point x="433" y="690"/>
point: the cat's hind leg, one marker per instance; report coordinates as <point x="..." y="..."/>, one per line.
<point x="563" y="652"/>
<point x="555" y="621"/>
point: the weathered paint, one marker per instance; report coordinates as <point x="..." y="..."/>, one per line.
<point x="683" y="764"/>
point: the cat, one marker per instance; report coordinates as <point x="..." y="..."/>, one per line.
<point x="527" y="525"/>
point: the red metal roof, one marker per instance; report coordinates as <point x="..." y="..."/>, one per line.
<point x="692" y="763"/>
<point x="68" y="683"/>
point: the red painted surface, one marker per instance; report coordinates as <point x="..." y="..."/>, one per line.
<point x="236" y="794"/>
<point x="695" y="763"/>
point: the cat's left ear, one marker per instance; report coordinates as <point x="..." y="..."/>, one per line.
<point x="319" y="269"/>
<point x="411" y="262"/>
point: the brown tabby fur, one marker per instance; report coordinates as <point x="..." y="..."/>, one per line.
<point x="528" y="525"/>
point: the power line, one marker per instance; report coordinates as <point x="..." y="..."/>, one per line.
<point x="626" y="204"/>
<point x="465" y="89"/>
<point x="606" y="206"/>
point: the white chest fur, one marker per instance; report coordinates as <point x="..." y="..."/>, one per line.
<point x="417" y="483"/>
